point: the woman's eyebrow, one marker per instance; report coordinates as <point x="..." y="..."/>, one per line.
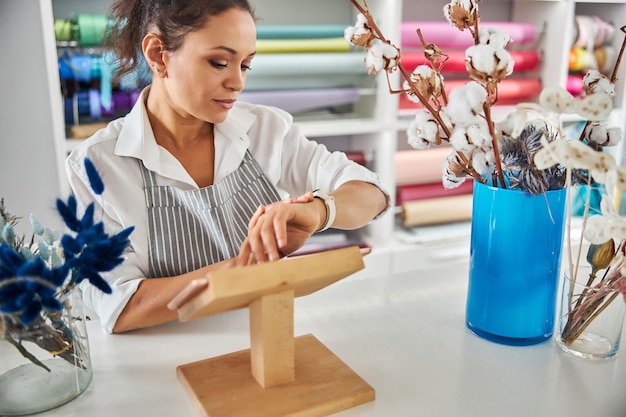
<point x="231" y="50"/>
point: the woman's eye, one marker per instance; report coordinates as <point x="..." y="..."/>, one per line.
<point x="217" y="64"/>
<point x="246" y="67"/>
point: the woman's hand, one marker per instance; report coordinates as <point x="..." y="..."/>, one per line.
<point x="280" y="228"/>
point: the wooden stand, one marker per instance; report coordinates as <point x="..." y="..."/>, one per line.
<point x="278" y="375"/>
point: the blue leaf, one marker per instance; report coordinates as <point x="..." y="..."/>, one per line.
<point x="94" y="178"/>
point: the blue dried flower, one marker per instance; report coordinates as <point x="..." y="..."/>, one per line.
<point x="30" y="282"/>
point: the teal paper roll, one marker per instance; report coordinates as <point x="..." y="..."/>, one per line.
<point x="299" y="31"/>
<point x="308" y="70"/>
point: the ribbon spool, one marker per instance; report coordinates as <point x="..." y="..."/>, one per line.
<point x="64" y="30"/>
<point x="91" y="29"/>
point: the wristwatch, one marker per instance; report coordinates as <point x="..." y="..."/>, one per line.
<point x="331" y="210"/>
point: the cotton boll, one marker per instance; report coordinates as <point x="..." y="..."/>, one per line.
<point x="513" y="124"/>
<point x="597" y="133"/>
<point x="423" y="130"/>
<point x="595" y="82"/>
<point x="460" y="141"/>
<point x="427" y="82"/>
<point x="360" y="34"/>
<point x="465" y="102"/>
<point x="486" y="63"/>
<point x="481" y="163"/>
<point x="461" y="13"/>
<point x="381" y="55"/>
<point x="494" y="37"/>
<point x="479" y="135"/>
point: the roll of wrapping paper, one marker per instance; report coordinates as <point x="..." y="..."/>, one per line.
<point x="414" y="192"/>
<point x="575" y="85"/>
<point x="510" y="91"/>
<point x="524" y="60"/>
<point x="91" y="29"/>
<point x="322" y="63"/>
<point x="307" y="70"/>
<point x="299" y="31"/>
<point x="300" y="100"/>
<point x="421" y="166"/>
<point x="277" y="46"/>
<point x="356" y="156"/>
<point x="437" y="210"/>
<point x="444" y="35"/>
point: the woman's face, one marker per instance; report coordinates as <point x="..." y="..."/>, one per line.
<point x="207" y="73"/>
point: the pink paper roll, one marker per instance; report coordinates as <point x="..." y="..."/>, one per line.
<point x="414" y="192"/>
<point x="524" y="60"/>
<point x="510" y="91"/>
<point x="444" y="35"/>
<point x="421" y="166"/>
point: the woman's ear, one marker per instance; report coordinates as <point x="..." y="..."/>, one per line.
<point x="152" y="47"/>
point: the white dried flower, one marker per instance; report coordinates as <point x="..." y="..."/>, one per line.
<point x="427" y="82"/>
<point x="597" y="133"/>
<point x="424" y="130"/>
<point x="594" y="107"/>
<point x="570" y="154"/>
<point x="360" y="34"/>
<point x="453" y="171"/>
<point x="513" y="124"/>
<point x="557" y="100"/>
<point x="483" y="162"/>
<point x="461" y="13"/>
<point x="609" y="225"/>
<point x="493" y="36"/>
<point x="486" y="63"/>
<point x="479" y="135"/>
<point x="460" y="141"/>
<point x="381" y="55"/>
<point x="594" y="82"/>
<point x="465" y="103"/>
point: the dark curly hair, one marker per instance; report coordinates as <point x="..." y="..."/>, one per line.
<point x="172" y="19"/>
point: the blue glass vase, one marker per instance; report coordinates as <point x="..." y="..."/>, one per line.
<point x="515" y="257"/>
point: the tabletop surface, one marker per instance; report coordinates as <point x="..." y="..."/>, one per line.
<point x="404" y="334"/>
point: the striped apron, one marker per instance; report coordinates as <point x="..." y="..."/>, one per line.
<point x="189" y="229"/>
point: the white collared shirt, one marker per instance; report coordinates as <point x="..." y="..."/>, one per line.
<point x="292" y="162"/>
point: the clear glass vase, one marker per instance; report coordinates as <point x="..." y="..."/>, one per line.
<point x="46" y="363"/>
<point x="591" y="318"/>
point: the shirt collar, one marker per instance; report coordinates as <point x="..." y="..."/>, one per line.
<point x="136" y="139"/>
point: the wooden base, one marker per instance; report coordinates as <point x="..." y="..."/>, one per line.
<point x="224" y="386"/>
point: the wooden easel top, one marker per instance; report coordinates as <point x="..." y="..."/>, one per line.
<point x="236" y="288"/>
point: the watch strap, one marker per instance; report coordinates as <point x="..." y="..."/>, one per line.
<point x="331" y="210"/>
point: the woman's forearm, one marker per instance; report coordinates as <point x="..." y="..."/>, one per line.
<point x="357" y="203"/>
<point x="148" y="305"/>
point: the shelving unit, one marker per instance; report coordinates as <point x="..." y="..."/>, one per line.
<point x="375" y="128"/>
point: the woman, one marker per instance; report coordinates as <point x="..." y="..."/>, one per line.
<point x="199" y="174"/>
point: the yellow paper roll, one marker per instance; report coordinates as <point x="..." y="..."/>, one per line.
<point x="265" y="46"/>
<point x="437" y="210"/>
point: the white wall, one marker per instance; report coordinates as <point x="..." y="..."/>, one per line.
<point x="30" y="175"/>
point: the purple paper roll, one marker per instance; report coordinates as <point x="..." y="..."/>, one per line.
<point x="444" y="35"/>
<point x="302" y="100"/>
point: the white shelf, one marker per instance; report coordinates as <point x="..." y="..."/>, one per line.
<point x="375" y="127"/>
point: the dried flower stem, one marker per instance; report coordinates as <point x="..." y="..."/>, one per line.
<point x="364" y="10"/>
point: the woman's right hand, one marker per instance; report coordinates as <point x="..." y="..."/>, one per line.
<point x="280" y="228"/>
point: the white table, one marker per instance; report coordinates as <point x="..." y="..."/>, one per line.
<point x="404" y="334"/>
